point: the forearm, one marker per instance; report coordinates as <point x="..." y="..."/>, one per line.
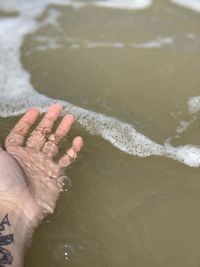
<point x="15" y="237"/>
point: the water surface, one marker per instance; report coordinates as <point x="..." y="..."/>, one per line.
<point x="137" y="64"/>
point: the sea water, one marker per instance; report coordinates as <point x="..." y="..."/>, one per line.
<point x="128" y="70"/>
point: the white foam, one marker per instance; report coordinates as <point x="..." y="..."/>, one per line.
<point x="191" y="4"/>
<point x="92" y="44"/>
<point x="183" y="126"/>
<point x="45" y="43"/>
<point x="124" y="4"/>
<point x="188" y="154"/>
<point x="194" y="104"/>
<point x="157" y="43"/>
<point x="17" y="93"/>
<point x="53" y="43"/>
<point x="33" y="8"/>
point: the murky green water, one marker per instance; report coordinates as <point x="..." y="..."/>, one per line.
<point x="121" y="210"/>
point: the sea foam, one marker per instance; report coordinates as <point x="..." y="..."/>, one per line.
<point x="191" y="4"/>
<point x="17" y="93"/>
<point x="194" y="104"/>
<point x="124" y="4"/>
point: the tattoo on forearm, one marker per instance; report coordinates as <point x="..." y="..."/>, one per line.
<point x="5" y="255"/>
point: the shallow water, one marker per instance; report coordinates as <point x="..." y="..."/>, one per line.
<point x="140" y="66"/>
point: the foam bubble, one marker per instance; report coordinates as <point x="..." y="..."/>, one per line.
<point x="191" y="4"/>
<point x="18" y="94"/>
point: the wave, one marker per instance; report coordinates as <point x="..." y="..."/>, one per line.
<point x="18" y="94"/>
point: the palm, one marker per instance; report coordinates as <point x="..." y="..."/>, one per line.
<point x="40" y="178"/>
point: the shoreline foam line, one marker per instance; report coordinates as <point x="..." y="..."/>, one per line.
<point x="17" y="93"/>
<point x="120" y="134"/>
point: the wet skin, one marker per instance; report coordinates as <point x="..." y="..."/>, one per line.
<point x="30" y="179"/>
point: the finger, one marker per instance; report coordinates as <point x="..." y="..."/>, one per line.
<point x="17" y="134"/>
<point x="38" y="136"/>
<point x="50" y="148"/>
<point x="64" y="126"/>
<point x="71" y="153"/>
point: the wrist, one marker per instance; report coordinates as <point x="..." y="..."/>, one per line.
<point x="15" y="235"/>
<point x="20" y="224"/>
<point x="26" y="208"/>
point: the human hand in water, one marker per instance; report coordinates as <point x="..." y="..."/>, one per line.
<point x="30" y="178"/>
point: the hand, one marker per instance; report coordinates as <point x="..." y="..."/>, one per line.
<point x="29" y="176"/>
